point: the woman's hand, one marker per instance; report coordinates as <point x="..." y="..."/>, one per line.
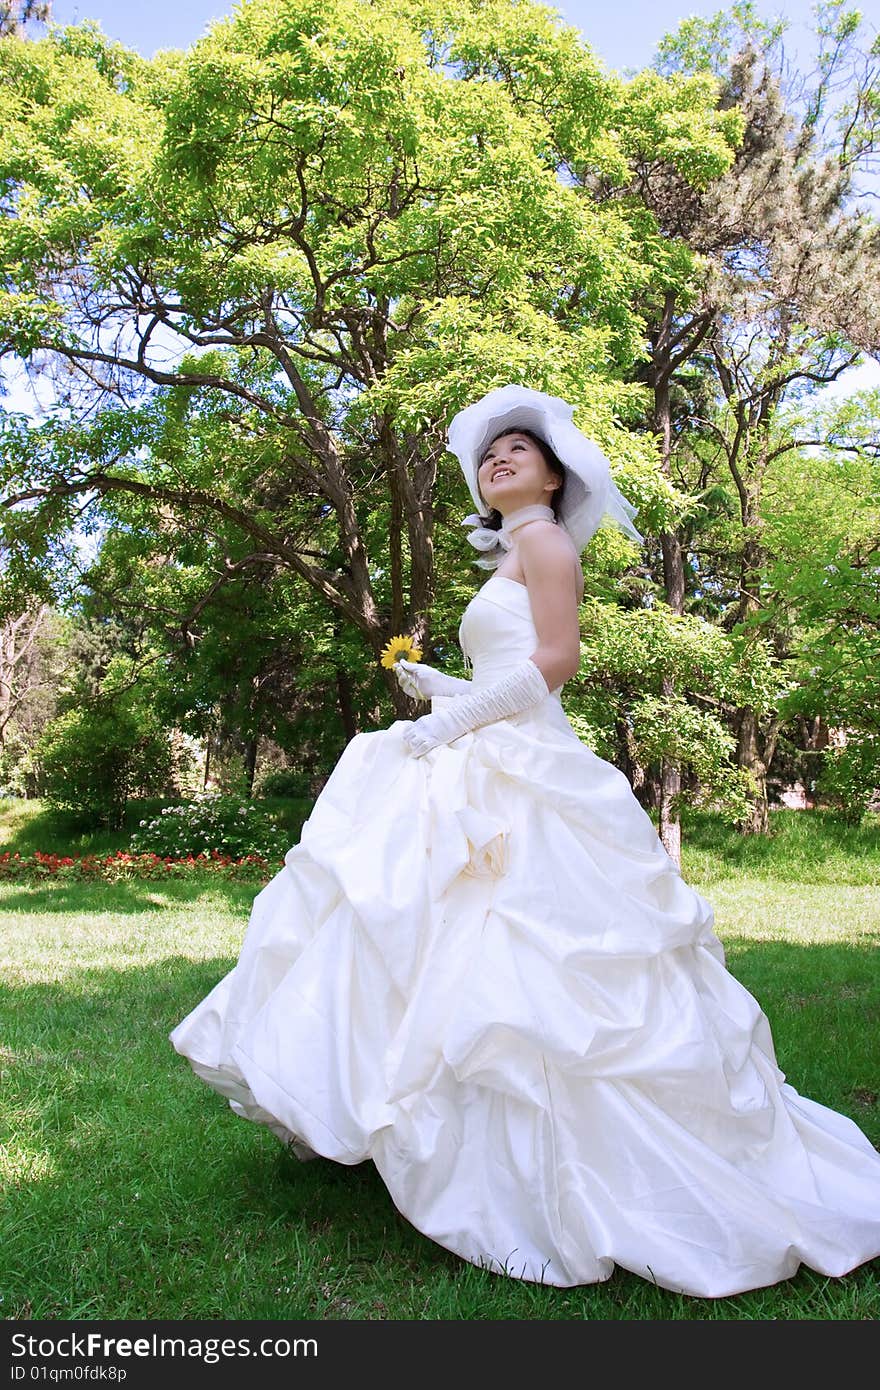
<point x="421" y="682"/>
<point x="523" y="686"/>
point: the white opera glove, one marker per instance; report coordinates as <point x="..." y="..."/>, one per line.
<point x="421" y="681"/>
<point x="522" y="688"/>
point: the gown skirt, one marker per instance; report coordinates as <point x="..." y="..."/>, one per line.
<point x="482" y="970"/>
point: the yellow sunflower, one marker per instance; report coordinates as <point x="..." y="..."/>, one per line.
<point x="400" y="648"/>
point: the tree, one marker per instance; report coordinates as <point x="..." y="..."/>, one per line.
<point x="18" y="682"/>
<point x="353" y="228"/>
<point x="821" y="592"/>
<point x="782" y="245"/>
<point x="33" y="660"/>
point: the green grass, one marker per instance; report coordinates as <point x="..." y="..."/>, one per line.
<point x="132" y="1191"/>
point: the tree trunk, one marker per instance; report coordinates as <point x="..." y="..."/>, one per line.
<point x="748" y="753"/>
<point x="748" y="747"/>
<point x="818" y="738"/>
<point x="630" y="764"/>
<point x="250" y="761"/>
<point x="673" y="571"/>
<point x="670" y="786"/>
<point x="346" y="706"/>
<point x="7" y="664"/>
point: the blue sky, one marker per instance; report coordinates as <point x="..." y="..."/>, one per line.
<point x="624" y="34"/>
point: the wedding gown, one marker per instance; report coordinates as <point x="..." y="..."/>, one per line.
<point x="481" y="970"/>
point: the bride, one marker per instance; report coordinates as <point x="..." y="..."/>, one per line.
<point x="480" y="968"/>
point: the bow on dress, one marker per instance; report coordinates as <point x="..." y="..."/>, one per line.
<point x="485" y="538"/>
<point x="464" y="836"/>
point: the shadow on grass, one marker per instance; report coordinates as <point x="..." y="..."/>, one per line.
<point x="134" y="1191"/>
<point x="66" y="897"/>
<point x="815" y="846"/>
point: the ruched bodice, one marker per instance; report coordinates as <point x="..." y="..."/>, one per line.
<point x="497" y="630"/>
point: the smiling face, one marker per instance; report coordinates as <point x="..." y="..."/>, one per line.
<point x="513" y="473"/>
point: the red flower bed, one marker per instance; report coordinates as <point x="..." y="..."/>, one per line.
<point x="112" y="868"/>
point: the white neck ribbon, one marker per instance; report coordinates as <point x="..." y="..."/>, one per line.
<point x="535" y="511"/>
<point x="496" y="544"/>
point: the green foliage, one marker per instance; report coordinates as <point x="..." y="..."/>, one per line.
<point x="344" y="211"/>
<point x="849" y="777"/>
<point x="286" y="782"/>
<point x="211" y="823"/>
<point x="626" y="658"/>
<point x="91" y="759"/>
<point x="360" y="156"/>
<point x="646" y="646"/>
<point x="702" y="43"/>
<point x="14" y="775"/>
<point x="822" y="586"/>
<point x="355" y="219"/>
<point x="675" y="120"/>
<point x="692" y="738"/>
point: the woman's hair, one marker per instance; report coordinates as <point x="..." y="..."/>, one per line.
<point x="492" y="521"/>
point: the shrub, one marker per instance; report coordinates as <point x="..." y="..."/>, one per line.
<point x="285" y="782"/>
<point x="211" y="822"/>
<point x="15" y="776"/>
<point x="92" y="759"/>
<point x="849" y="776"/>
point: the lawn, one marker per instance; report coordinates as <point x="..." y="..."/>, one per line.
<point x="133" y="1191"/>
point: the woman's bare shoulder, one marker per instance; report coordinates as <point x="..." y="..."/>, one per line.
<point x="545" y="543"/>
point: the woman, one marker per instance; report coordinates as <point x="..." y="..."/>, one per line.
<point x="480" y="968"/>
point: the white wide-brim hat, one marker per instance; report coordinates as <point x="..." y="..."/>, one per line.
<point x="590" y="494"/>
